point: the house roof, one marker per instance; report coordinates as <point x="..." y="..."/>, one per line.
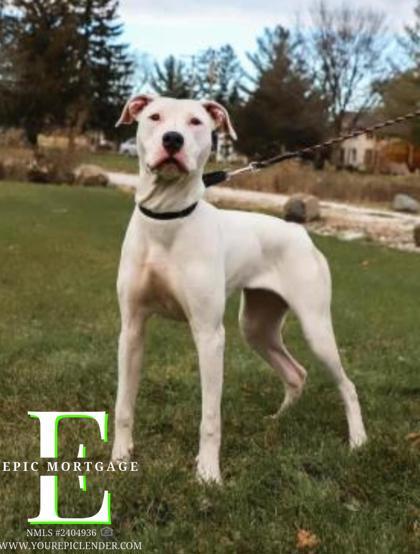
<point x="355" y="120"/>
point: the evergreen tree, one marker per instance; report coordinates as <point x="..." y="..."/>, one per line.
<point x="172" y="79"/>
<point x="103" y="66"/>
<point x="271" y="45"/>
<point x="69" y="68"/>
<point x="284" y="111"/>
<point x="212" y="74"/>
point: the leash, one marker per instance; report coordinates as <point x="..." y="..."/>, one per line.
<point x="216" y="177"/>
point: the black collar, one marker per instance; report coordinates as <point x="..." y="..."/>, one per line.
<point x="168" y="215"/>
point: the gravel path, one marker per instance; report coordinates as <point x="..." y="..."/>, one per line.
<point x="346" y="221"/>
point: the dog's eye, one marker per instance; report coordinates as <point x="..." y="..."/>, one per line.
<point x="155" y="117"/>
<point x="195" y="121"/>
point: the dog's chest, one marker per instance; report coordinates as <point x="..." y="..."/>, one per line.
<point x="157" y="291"/>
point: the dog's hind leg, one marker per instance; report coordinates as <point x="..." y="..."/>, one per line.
<point x="261" y="317"/>
<point x="319" y="332"/>
<point x="312" y="307"/>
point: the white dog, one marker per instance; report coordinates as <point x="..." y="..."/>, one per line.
<point x="182" y="258"/>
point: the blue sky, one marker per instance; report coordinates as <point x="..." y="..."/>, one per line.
<point x="164" y="27"/>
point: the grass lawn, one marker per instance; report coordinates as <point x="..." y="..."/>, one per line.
<point x="112" y="161"/>
<point x="59" y="251"/>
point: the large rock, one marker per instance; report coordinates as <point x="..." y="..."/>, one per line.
<point x="404" y="203"/>
<point x="417" y="235"/>
<point x="40" y="171"/>
<point x="89" y="175"/>
<point x="302" y="208"/>
<point x="46" y="168"/>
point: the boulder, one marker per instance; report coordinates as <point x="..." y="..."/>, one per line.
<point x="404" y="203"/>
<point x="417" y="235"/>
<point x="302" y="208"/>
<point x="351" y="235"/>
<point x="40" y="171"/>
<point x="89" y="175"/>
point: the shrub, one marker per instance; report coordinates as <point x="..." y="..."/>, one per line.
<point x="40" y="166"/>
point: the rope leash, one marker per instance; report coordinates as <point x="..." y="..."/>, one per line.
<point x="216" y="177"/>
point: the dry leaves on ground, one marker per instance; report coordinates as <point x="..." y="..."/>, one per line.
<point x="306" y="540"/>
<point x="414" y="438"/>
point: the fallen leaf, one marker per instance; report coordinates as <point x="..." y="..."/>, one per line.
<point x="353" y="505"/>
<point x="414" y="438"/>
<point x="306" y="539"/>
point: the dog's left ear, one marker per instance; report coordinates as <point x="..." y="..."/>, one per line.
<point x="220" y="116"/>
<point x="132" y="109"/>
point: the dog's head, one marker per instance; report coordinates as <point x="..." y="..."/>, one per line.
<point x="174" y="137"/>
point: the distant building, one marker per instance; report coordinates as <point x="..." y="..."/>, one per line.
<point x="374" y="154"/>
<point x="225" y="150"/>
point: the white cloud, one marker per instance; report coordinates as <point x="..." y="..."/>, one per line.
<point x="163" y="27"/>
<point x="167" y="11"/>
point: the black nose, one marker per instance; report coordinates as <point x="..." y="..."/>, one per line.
<point x="172" y="142"/>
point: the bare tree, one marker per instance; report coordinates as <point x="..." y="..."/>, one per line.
<point x="218" y="75"/>
<point x="400" y="92"/>
<point x="411" y="41"/>
<point x="347" y="48"/>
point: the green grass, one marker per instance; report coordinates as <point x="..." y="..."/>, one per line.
<point x="59" y="252"/>
<point x="111" y="161"/>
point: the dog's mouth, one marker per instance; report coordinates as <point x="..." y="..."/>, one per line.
<point x="170" y="164"/>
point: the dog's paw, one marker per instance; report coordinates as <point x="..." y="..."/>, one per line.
<point x="121" y="453"/>
<point x="358" y="439"/>
<point x="273" y="417"/>
<point x="208" y="473"/>
<point x="292" y="394"/>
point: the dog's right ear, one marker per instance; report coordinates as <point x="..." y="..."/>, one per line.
<point x="133" y="107"/>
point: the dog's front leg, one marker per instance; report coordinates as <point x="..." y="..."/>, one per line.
<point x="130" y="356"/>
<point x="210" y="344"/>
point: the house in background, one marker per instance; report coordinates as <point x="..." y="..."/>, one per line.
<point x="375" y="154"/>
<point x="359" y="152"/>
<point x="225" y="150"/>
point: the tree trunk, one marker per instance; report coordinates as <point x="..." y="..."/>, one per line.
<point x="31" y="131"/>
<point x="76" y="127"/>
<point x="410" y="157"/>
